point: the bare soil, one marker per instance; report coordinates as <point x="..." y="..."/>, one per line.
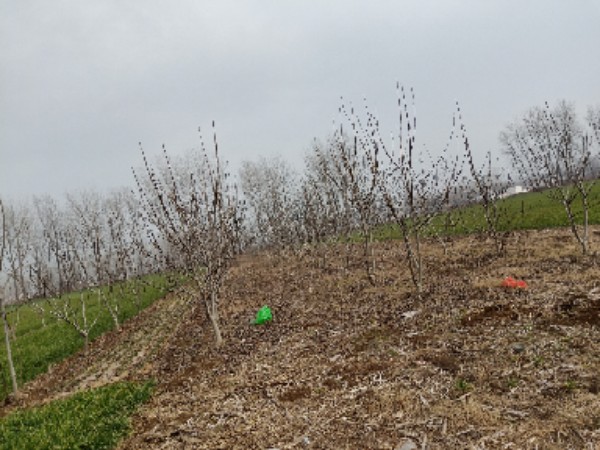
<point x="350" y="364"/>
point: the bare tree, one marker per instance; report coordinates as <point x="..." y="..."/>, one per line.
<point x="131" y="256"/>
<point x="195" y="217"/>
<point x="490" y="187"/>
<point x="323" y="212"/>
<point x="98" y="246"/>
<point x="593" y="121"/>
<point x="62" y="269"/>
<point x="359" y="173"/>
<point x="11" y="366"/>
<point x="549" y="150"/>
<point x="416" y="187"/>
<point x="80" y="253"/>
<point x="17" y="248"/>
<point x="48" y="275"/>
<point x="327" y="211"/>
<point x="270" y="190"/>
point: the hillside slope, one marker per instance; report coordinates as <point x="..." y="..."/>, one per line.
<point x="345" y="364"/>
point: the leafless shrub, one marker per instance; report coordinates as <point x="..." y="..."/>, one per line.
<point x="593" y="122"/>
<point x="132" y="257"/>
<point x="87" y="245"/>
<point x="490" y="187"/>
<point x="11" y="366"/>
<point x="593" y="119"/>
<point x="323" y="204"/>
<point x="63" y="268"/>
<point x="195" y="218"/>
<point x="270" y="193"/>
<point x="415" y="189"/>
<point x="18" y="229"/>
<point x="359" y="175"/>
<point x="97" y="247"/>
<point x="549" y="149"/>
<point x="326" y="203"/>
<point x="356" y="183"/>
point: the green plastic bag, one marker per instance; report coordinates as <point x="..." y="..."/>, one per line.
<point x="263" y="315"/>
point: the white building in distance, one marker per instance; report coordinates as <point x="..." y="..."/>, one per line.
<point x="514" y="190"/>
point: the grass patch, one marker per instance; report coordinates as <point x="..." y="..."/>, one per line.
<point x="40" y="341"/>
<point x="95" y="419"/>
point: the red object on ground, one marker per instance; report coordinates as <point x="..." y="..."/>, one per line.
<point x="512" y="283"/>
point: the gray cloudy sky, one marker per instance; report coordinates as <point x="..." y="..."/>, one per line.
<point x="82" y="82"/>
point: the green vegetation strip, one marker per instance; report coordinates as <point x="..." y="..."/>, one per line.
<point x="533" y="210"/>
<point x="40" y="342"/>
<point x="95" y="419"/>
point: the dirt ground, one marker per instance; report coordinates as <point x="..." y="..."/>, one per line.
<point x="350" y="364"/>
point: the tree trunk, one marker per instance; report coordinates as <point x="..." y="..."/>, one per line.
<point x="112" y="310"/>
<point x="368" y="256"/>
<point x="86" y="341"/>
<point x="571" y="216"/>
<point x="413" y="254"/>
<point x="586" y="219"/>
<point x="13" y="375"/>
<point x="217" y="330"/>
<point x="213" y="315"/>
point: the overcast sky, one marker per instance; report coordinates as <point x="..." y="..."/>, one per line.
<point x="81" y="83"/>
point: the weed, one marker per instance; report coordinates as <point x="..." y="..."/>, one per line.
<point x="538" y="361"/>
<point x="463" y="386"/>
<point x="512" y="382"/>
<point x="570" y="385"/>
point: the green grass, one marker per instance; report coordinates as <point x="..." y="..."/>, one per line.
<point x="37" y="346"/>
<point x="94" y="419"/>
<point x="533" y="210"/>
